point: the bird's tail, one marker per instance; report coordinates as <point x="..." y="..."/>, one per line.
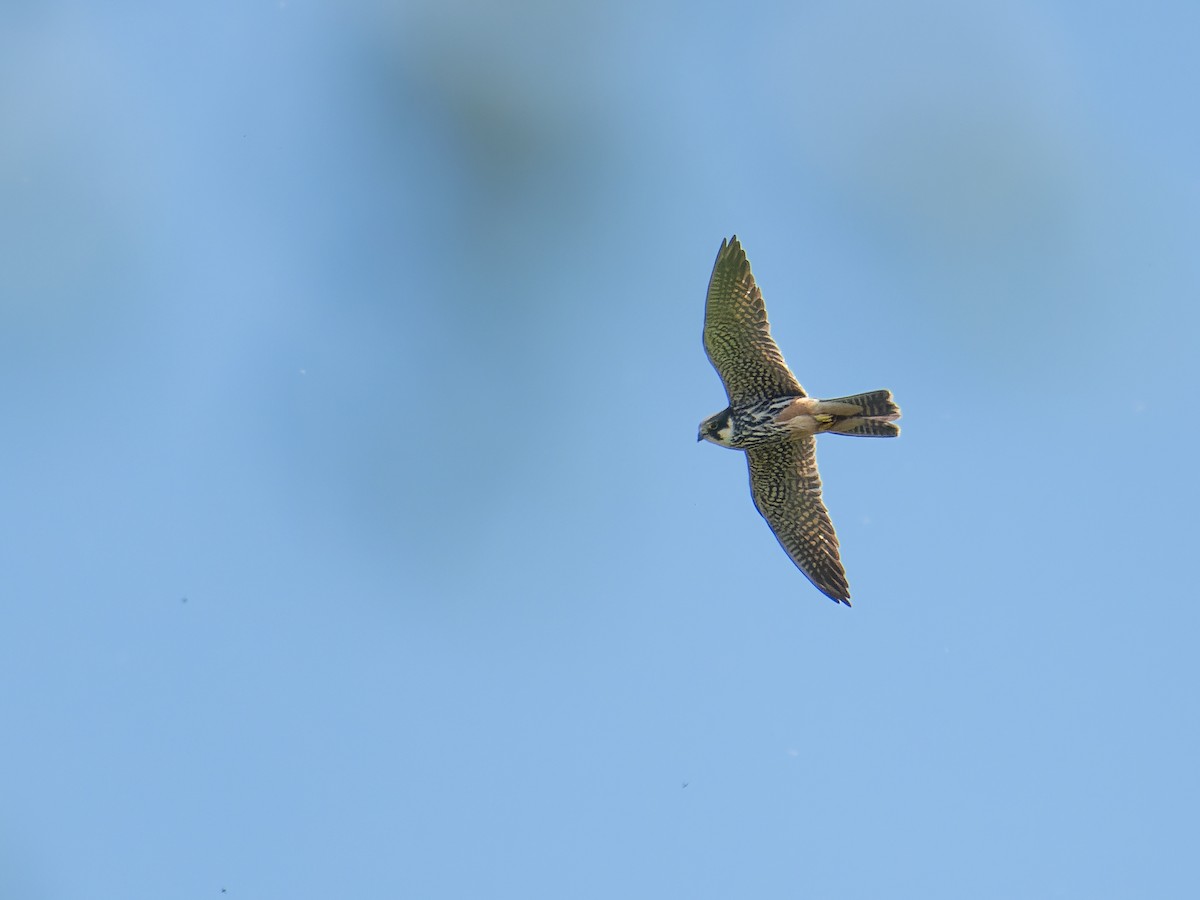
<point x="865" y="415"/>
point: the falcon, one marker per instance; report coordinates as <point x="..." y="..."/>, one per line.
<point x="774" y="422"/>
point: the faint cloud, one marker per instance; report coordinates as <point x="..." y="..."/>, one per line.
<point x="960" y="120"/>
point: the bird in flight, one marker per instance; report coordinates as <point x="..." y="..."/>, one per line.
<point x="775" y="422"/>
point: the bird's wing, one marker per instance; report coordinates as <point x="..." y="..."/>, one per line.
<point x="737" y="336"/>
<point x="787" y="491"/>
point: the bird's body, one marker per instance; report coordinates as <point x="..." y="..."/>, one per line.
<point x="774" y="421"/>
<point x="783" y="418"/>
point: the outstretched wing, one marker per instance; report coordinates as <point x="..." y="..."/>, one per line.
<point x="737" y="336"/>
<point x="787" y="491"/>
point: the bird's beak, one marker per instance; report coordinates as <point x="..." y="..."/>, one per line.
<point x="699" y="436"/>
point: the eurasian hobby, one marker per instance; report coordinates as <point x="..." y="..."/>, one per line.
<point x="771" y="418"/>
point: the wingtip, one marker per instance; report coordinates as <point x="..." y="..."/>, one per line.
<point x="837" y="598"/>
<point x="731" y="248"/>
<point x="838" y="591"/>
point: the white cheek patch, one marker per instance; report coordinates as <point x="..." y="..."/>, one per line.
<point x="725" y="435"/>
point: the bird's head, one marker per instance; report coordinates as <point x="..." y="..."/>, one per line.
<point x="718" y="428"/>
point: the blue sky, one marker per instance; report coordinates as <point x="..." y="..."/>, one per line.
<point x="356" y="538"/>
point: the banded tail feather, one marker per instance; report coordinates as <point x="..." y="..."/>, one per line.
<point x="863" y="415"/>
